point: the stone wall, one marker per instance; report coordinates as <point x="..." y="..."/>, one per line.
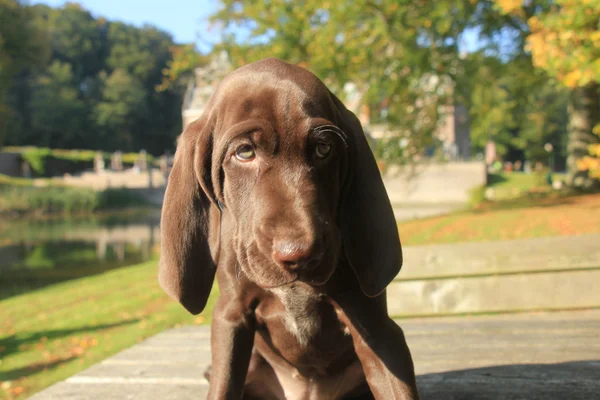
<point x="443" y="183"/>
<point x="10" y="164"/>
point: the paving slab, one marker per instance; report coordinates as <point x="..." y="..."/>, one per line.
<point x="547" y="356"/>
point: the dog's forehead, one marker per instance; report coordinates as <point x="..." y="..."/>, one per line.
<point x="290" y="103"/>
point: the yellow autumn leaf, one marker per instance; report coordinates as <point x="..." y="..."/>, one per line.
<point x="594" y="150"/>
<point x="572" y="78"/>
<point x="510" y="6"/>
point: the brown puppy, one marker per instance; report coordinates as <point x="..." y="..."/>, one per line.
<point x="276" y="191"/>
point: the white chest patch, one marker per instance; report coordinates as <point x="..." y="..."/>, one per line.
<point x="302" y="317"/>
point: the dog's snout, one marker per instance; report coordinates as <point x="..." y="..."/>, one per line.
<point x="295" y="254"/>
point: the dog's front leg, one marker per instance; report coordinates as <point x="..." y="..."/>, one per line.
<point x="232" y="338"/>
<point x="381" y="348"/>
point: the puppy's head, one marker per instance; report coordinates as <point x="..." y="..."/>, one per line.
<point x="289" y="167"/>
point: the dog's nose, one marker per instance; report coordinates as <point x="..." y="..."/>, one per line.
<point x="295" y="255"/>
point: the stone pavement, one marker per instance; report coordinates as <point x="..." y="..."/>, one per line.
<point x="514" y="356"/>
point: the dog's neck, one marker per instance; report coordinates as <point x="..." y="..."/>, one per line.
<point x="301" y="303"/>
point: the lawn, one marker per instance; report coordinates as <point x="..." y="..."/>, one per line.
<point x="512" y="185"/>
<point x="525" y="217"/>
<point x="50" y="334"/>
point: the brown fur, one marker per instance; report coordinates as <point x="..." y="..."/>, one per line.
<point x="303" y="247"/>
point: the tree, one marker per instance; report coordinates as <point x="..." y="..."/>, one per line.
<point x="75" y="100"/>
<point x="77" y="38"/>
<point x="143" y="53"/>
<point x="564" y="40"/>
<point x="491" y="104"/>
<point x="404" y="56"/>
<point x="180" y="68"/>
<point x="408" y="61"/>
<point x="121" y="108"/>
<point x="58" y="114"/>
<point x="21" y="46"/>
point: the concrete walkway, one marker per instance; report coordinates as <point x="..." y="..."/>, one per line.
<point x="520" y="356"/>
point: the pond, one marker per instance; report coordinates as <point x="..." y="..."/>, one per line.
<point x="37" y="253"/>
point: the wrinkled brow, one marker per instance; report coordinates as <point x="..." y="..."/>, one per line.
<point x="332" y="129"/>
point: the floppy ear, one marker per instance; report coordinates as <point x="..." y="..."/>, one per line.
<point x="189" y="222"/>
<point x="369" y="231"/>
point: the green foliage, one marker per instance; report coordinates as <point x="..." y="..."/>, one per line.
<point x="518" y="108"/>
<point x="97" y="91"/>
<point x="563" y="37"/>
<point x="390" y="150"/>
<point x="58" y="116"/>
<point x="77" y="38"/>
<point x="565" y="41"/>
<point x="47" y="200"/>
<point x="492" y="107"/>
<point x="22" y="46"/>
<point x="6" y="180"/>
<point x="185" y="58"/>
<point x="111" y="199"/>
<point x="408" y="63"/>
<point x="122" y="105"/>
<point x="141" y="52"/>
<point x="39" y="157"/>
<point x="36" y="157"/>
<point x="64" y="200"/>
<point x="476" y="196"/>
<point x="513" y="185"/>
<point x="404" y="57"/>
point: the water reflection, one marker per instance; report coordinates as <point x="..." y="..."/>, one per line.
<point x="34" y="254"/>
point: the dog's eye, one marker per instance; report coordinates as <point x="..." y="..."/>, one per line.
<point x="322" y="150"/>
<point x="245" y="153"/>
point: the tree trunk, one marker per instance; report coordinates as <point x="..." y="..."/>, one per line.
<point x="584" y="114"/>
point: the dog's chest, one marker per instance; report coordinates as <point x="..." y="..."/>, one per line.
<point x="303" y="327"/>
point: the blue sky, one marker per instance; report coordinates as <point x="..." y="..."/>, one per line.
<point x="184" y="19"/>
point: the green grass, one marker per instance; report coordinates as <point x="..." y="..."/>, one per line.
<point x="50" y="334"/>
<point x="536" y="215"/>
<point x="6" y="180"/>
<point x="516" y="184"/>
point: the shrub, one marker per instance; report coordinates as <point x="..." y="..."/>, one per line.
<point x="36" y="157"/>
<point x="119" y="198"/>
<point x="477" y="195"/>
<point x="67" y="200"/>
<point x="45" y="161"/>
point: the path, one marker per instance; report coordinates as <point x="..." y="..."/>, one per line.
<point x="528" y="356"/>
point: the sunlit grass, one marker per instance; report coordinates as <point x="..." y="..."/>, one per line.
<point x="520" y="218"/>
<point x="515" y="184"/>
<point x="50" y="334"/>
